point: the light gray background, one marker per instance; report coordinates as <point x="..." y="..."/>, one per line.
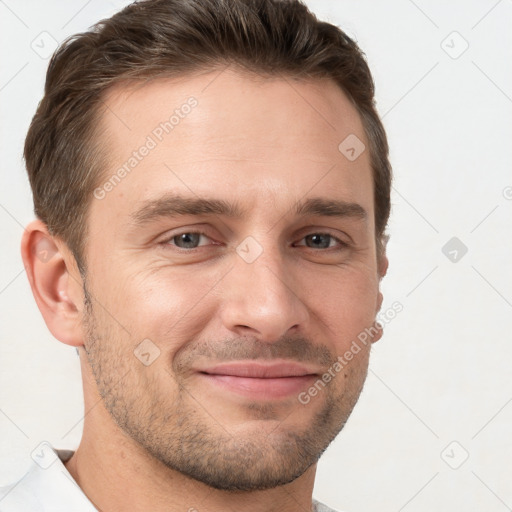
<point x="440" y="385"/>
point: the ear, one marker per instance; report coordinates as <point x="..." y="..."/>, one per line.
<point x="382" y="269"/>
<point x="55" y="281"/>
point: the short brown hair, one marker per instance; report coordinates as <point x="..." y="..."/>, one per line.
<point x="167" y="38"/>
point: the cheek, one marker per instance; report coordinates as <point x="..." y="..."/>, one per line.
<point x="346" y="303"/>
<point x="167" y="307"/>
<point x="174" y="306"/>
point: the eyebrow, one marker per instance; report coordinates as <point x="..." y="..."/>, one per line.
<point x="178" y="205"/>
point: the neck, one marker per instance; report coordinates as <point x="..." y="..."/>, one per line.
<point x="117" y="477"/>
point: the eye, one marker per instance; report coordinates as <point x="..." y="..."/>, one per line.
<point x="190" y="240"/>
<point x="323" y="241"/>
<point x="186" y="240"/>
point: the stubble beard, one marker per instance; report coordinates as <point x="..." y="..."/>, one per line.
<point x="184" y="436"/>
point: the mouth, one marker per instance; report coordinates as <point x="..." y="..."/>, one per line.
<point x="260" y="381"/>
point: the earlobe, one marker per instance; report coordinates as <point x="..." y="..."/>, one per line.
<point x="383" y="265"/>
<point x="378" y="327"/>
<point x="55" y="282"/>
<point x="382" y="269"/>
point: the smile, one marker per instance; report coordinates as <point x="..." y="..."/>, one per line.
<point x="260" y="381"/>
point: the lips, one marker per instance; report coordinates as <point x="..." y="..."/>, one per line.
<point x="261" y="370"/>
<point x="263" y="381"/>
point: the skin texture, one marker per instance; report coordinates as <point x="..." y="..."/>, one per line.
<point x="162" y="436"/>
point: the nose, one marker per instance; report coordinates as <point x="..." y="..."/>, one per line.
<point x="262" y="298"/>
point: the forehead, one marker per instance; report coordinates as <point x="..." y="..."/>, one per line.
<point x="226" y="99"/>
<point x="260" y="139"/>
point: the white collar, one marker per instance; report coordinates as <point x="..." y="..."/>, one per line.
<point x="47" y="486"/>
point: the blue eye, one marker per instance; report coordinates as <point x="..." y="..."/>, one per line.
<point x="323" y="240"/>
<point x="187" y="240"/>
<point x="190" y="240"/>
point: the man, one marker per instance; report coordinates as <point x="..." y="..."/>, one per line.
<point x="211" y="183"/>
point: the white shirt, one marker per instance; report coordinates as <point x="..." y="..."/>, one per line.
<point x="48" y="486"/>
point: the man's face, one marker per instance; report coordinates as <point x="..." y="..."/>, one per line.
<point x="239" y="313"/>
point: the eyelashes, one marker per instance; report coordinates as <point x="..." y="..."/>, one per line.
<point x="191" y="238"/>
<point x="341" y="243"/>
